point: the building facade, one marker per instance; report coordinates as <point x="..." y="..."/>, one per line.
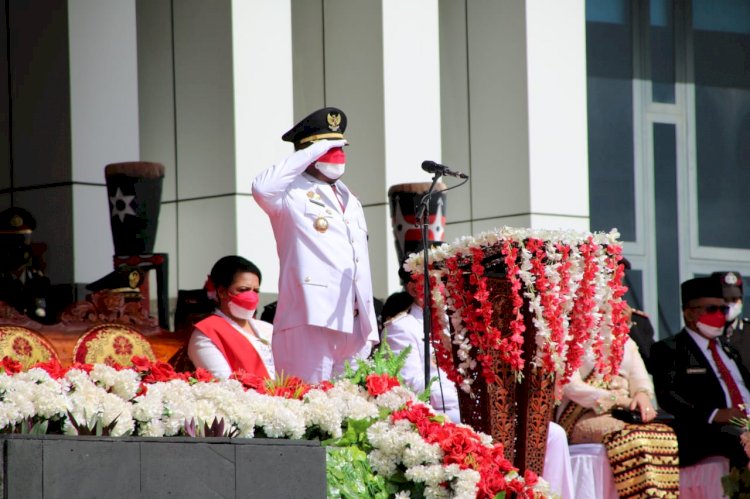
<point x="565" y="114"/>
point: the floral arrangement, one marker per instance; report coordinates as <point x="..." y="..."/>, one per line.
<point x="572" y="282"/>
<point x="382" y="441"/>
<point x="736" y="484"/>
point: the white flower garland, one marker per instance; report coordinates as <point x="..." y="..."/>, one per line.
<point x="600" y="335"/>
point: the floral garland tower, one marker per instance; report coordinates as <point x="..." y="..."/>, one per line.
<point x="514" y="312"/>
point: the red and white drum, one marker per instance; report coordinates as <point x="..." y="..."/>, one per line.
<point x="404" y="201"/>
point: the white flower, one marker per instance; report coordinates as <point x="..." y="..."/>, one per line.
<point x="321" y="412"/>
<point x="395" y="398"/>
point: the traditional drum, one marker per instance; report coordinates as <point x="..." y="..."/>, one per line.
<point x="404" y="201"/>
<point x="134" y="191"/>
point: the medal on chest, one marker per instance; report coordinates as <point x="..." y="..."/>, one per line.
<point x="321" y="224"/>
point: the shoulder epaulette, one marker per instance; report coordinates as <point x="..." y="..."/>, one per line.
<point x="396" y="317"/>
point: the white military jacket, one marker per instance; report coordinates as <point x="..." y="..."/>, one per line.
<point x="324" y="263"/>
<point x="407" y="329"/>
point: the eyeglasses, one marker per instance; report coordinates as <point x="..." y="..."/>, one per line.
<point x="712" y="309"/>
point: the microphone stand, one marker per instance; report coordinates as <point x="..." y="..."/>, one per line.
<point x="423" y="215"/>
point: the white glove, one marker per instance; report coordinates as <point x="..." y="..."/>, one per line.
<point x="319" y="148"/>
<point x="310" y="154"/>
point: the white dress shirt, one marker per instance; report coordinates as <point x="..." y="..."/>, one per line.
<point x="204" y="353"/>
<point x="703" y="344"/>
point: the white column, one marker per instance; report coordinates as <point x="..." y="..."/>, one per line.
<point x="558" y="134"/>
<point x="520" y="122"/>
<point x="263" y="111"/>
<point x="103" y="120"/>
<point x="411" y="103"/>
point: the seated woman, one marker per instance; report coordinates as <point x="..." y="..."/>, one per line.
<point x="231" y="339"/>
<point x="643" y="456"/>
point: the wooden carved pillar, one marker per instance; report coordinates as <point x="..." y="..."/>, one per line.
<point x="514" y="414"/>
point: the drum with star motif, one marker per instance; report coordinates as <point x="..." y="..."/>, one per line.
<point x="134" y="191"/>
<point x="404" y="201"/>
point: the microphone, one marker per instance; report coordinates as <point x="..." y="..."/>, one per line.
<point x="432" y="167"/>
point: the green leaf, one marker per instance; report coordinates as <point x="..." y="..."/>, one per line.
<point x="349" y="476"/>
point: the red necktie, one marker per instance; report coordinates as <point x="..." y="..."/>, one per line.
<point x="338" y="198"/>
<point x="734" y="391"/>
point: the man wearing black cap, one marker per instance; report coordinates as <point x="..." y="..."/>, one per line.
<point x="737" y="330"/>
<point x="22" y="284"/>
<point x="700" y="381"/>
<point x="325" y="314"/>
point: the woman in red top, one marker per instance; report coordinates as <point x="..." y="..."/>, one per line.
<point x="231" y="339"/>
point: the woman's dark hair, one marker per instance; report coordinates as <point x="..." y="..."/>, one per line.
<point x="223" y="271"/>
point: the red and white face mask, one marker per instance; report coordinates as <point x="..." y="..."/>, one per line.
<point x="332" y="164"/>
<point x="243" y="305"/>
<point x="711" y="323"/>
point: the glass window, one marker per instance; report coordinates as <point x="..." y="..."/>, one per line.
<point x="661" y="38"/>
<point x="634" y="281"/>
<point x="721" y="58"/>
<point x="609" y="59"/>
<point x="667" y="228"/>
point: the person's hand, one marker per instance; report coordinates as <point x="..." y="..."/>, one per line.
<point x="724" y="416"/>
<point x="642" y="403"/>
<point x="320" y="147"/>
<point x="337" y="143"/>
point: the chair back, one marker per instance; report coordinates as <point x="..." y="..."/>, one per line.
<point x="111" y="344"/>
<point x="25" y="345"/>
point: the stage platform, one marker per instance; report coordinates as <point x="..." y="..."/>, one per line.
<point x="53" y="466"/>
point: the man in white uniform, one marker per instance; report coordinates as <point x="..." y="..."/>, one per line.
<point x="406" y="329"/>
<point x="325" y="313"/>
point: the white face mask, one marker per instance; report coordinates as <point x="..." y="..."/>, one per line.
<point x="735" y="309"/>
<point x="331" y="170"/>
<point x="709" y="331"/>
<point x="240" y="312"/>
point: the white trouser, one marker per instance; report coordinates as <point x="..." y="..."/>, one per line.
<point x="316" y="353"/>
<point x="557" y="468"/>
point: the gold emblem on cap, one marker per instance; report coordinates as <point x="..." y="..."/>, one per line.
<point x="334" y="122"/>
<point x="730" y="279"/>
<point x="134" y="278"/>
<point x="321" y="224"/>
<point x="310" y="194"/>
<point x="16" y="221"/>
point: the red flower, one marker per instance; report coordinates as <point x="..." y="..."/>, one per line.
<point x="324" y="385"/>
<point x="530" y="478"/>
<point x="53" y="368"/>
<point x="290" y="387"/>
<point x="142" y="390"/>
<point x="249" y="380"/>
<point x="378" y="384"/>
<point x="203" y="375"/>
<point x="141" y="363"/>
<point x="161" y="371"/>
<point x="11" y="366"/>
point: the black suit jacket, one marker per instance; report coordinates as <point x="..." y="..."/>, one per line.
<point x="737" y="334"/>
<point x="642" y="332"/>
<point x="687" y="387"/>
